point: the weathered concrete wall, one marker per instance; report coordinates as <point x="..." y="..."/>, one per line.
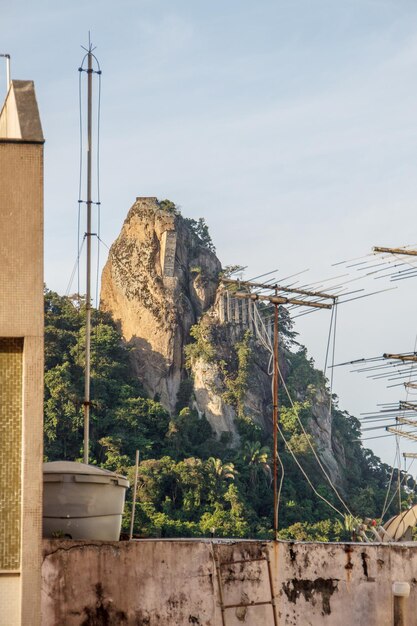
<point x="174" y="582"/>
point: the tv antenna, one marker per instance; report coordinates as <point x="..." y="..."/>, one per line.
<point x="88" y="235"/>
<point x="274" y="294"/>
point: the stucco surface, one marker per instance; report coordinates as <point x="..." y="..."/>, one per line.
<point x="174" y="582"/>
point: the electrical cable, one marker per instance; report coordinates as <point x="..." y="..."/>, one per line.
<point x="79" y="180"/>
<point x="328" y="341"/>
<point x="266" y="342"/>
<point x="385" y="507"/>
<point x="395" y="491"/>
<point x="300" y="422"/>
<point x="281" y="482"/>
<point x="98" y="188"/>
<point x="312" y="447"/>
<point x="397" y="443"/>
<point x="287" y="445"/>
<point x="333" y="356"/>
<point x="74" y="269"/>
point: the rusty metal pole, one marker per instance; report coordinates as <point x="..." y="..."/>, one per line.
<point x="275" y="421"/>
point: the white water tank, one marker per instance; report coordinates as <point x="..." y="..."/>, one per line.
<point x="82" y="501"/>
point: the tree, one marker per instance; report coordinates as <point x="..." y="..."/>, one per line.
<point x="190" y="481"/>
<point x="122" y="419"/>
<point x="257" y="457"/>
<point x="219" y="473"/>
<point x="201" y="230"/>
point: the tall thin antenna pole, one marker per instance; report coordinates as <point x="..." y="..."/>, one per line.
<point x="88" y="280"/>
<point x="275" y="420"/>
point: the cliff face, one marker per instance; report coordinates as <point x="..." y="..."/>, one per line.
<point x="215" y="380"/>
<point x="156" y="283"/>
<point x="159" y="280"/>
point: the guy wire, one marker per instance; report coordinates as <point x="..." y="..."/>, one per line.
<point x="329" y="480"/>
<point x="79" y="182"/>
<point x="287" y="445"/>
<point x="333" y="355"/>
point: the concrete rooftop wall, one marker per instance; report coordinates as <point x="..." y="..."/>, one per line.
<point x="174" y="583"/>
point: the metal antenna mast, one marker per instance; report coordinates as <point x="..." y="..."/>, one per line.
<point x="403" y="358"/>
<point x="276" y="299"/>
<point x="88" y="235"/>
<point x="88" y="277"/>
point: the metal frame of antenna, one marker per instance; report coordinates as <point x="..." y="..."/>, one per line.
<point x="407" y="406"/>
<point x="405" y="420"/>
<point x="401" y="433"/>
<point x="395" y="250"/>
<point x="400" y="357"/>
<point x="276" y="300"/>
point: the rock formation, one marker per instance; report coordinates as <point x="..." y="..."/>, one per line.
<point x="157" y="282"/>
<point x="160" y="279"/>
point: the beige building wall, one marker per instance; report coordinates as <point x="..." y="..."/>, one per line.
<point x="21" y="356"/>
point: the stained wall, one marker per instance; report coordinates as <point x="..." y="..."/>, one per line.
<point x="175" y="583"/>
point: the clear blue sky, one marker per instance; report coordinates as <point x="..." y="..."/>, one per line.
<point x="290" y="126"/>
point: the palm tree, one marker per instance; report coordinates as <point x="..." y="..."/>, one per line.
<point x="257" y="457"/>
<point x="221" y="472"/>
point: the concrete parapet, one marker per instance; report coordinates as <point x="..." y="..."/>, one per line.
<point x="174" y="582"/>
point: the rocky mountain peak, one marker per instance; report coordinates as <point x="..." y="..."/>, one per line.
<point x="158" y="280"/>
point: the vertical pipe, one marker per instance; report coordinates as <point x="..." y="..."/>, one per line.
<point x="237" y="311"/>
<point x="221" y="307"/>
<point x="8" y="71"/>
<point x="88" y="278"/>
<point x="250" y="316"/>
<point x="401" y="592"/>
<point x="245" y="313"/>
<point x="228" y="307"/>
<point x="275" y="420"/>
<point x="7" y="57"/>
<point x="399" y="611"/>
<point x="135" y="486"/>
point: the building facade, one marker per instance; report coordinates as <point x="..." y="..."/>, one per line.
<point x="21" y="355"/>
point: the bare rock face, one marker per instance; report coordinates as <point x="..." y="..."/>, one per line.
<point x="321" y="427"/>
<point x="158" y="280"/>
<point x="209" y="376"/>
<point x="208" y="399"/>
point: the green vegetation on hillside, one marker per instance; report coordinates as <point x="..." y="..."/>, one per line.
<point x="191" y="483"/>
